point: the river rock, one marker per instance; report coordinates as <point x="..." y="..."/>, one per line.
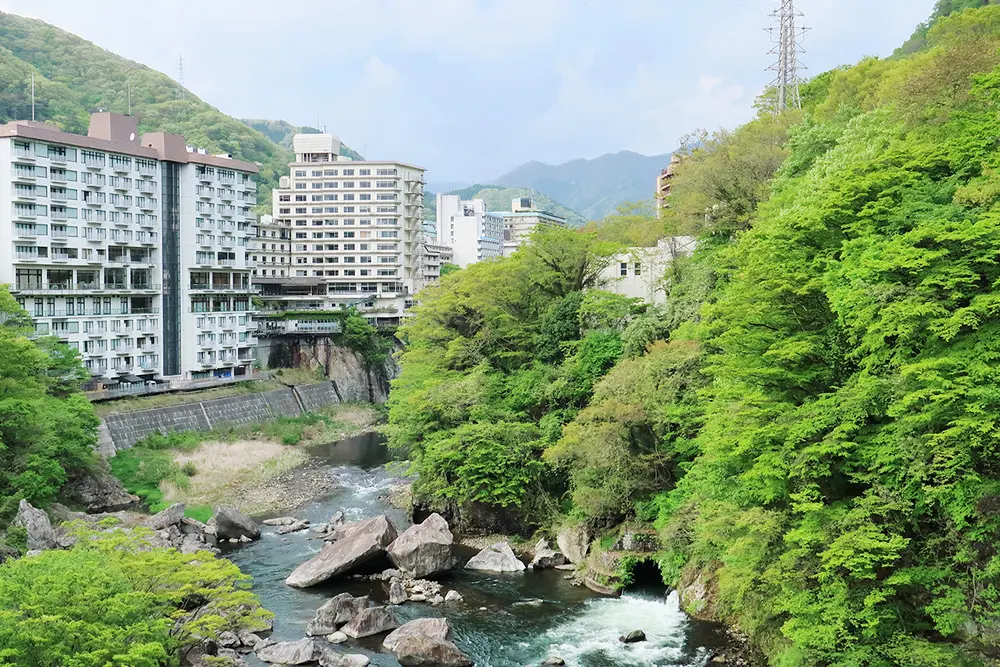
<point x="357" y="544"/>
<point x="336" y="637"/>
<point x="337" y="519"/>
<point x="397" y="592"/>
<point x="371" y="621"/>
<point x="546" y="556"/>
<point x="574" y="543"/>
<point x="632" y="637"/>
<point x="335" y="612"/>
<point x="453" y="596"/>
<point x="228" y="639"/>
<point x="249" y="640"/>
<point x="287" y="653"/>
<point x="497" y="557"/>
<point x="230" y="523"/>
<point x="354" y="660"/>
<point x="424" y="549"/>
<point x="553" y="662"/>
<point x="166" y="518"/>
<point x="280" y="521"/>
<point x="425" y="642"/>
<point x="292" y="528"/>
<point x="97" y="490"/>
<point x="36" y="523"/>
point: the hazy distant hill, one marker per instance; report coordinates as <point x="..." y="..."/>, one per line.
<point x="592" y="187"/>
<point x="498" y="199"/>
<point x="281" y="133"/>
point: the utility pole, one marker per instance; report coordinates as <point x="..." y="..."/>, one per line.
<point x="787" y="40"/>
<point x="32" y="96"/>
<point x="180" y="70"/>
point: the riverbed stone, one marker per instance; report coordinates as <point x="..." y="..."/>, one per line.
<point x="36" y="523"/>
<point x="230" y="523"/>
<point x="354" y="660"/>
<point x="574" y="543"/>
<point x="397" y="592"/>
<point x="371" y="621"/>
<point x="546" y="557"/>
<point x="554" y="661"/>
<point x="288" y="653"/>
<point x="632" y="637"/>
<point x="357" y="545"/>
<point x="424" y="549"/>
<point x="335" y="612"/>
<point x="162" y="520"/>
<point x="497" y="557"/>
<point x="337" y="637"/>
<point x="295" y="527"/>
<point x="280" y="521"/>
<point x="453" y="596"/>
<point x="425" y="642"/>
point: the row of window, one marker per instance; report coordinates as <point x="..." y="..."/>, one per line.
<point x="320" y="173"/>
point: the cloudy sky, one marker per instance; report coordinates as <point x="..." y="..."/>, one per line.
<point x="472" y="88"/>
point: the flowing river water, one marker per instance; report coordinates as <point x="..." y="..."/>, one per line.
<point x="504" y="620"/>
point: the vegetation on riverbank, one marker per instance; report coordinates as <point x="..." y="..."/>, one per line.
<point x="811" y="422"/>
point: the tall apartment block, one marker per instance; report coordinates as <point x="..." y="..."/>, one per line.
<point x="473" y="233"/>
<point x="132" y="250"/>
<point x="521" y="220"/>
<point x="354" y="230"/>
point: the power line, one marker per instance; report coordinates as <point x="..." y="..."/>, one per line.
<point x="787" y="40"/>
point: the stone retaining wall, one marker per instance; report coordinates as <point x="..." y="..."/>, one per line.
<point x="121" y="430"/>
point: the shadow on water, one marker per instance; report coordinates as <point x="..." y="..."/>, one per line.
<point x="504" y="621"/>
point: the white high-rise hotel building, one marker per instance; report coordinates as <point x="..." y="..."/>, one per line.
<point x="131" y="249"/>
<point x="353" y="230"/>
<point x="473" y="233"/>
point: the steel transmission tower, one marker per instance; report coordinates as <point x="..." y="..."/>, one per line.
<point x="787" y="39"/>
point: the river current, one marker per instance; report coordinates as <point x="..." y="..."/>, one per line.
<point x="504" y="620"/>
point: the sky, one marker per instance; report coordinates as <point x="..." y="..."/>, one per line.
<point x="470" y="89"/>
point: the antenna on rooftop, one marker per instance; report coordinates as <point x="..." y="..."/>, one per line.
<point x="787" y="40"/>
<point x="32" y="96"/>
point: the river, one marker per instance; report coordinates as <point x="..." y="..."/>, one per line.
<point x="527" y="618"/>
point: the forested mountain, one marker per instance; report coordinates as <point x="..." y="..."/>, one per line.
<point x="281" y="132"/>
<point x="498" y="198"/>
<point x="594" y="187"/>
<point x="74" y="77"/>
<point x="809" y="432"/>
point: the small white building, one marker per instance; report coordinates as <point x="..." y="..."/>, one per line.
<point x="473" y="233"/>
<point x="640" y="272"/>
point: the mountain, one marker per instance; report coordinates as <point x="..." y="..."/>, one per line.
<point x="281" y="133"/>
<point x="74" y="77"/>
<point x="498" y="199"/>
<point x="446" y="186"/>
<point x="593" y="187"/>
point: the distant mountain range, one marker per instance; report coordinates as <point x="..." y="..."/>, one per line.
<point x="498" y="198"/>
<point x="593" y="188"/>
<point x="281" y="132"/>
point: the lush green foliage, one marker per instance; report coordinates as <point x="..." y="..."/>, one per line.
<point x="363" y="338"/>
<point x="110" y="600"/>
<point x="47" y="426"/>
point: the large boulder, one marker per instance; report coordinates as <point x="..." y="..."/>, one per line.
<point x="334" y="613"/>
<point x="36" y="523"/>
<point x="425" y="642"/>
<point x="574" y="543"/>
<point x="97" y="490"/>
<point x="546" y="557"/>
<point x="165" y="518"/>
<point x="232" y="524"/>
<point x="288" y="653"/>
<point x="371" y="621"/>
<point x="424" y="549"/>
<point x="497" y="557"/>
<point x="357" y="545"/>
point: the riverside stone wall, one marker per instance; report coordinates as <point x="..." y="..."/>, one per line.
<point x="121" y="430"/>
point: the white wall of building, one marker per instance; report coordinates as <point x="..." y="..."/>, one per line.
<point x="639" y="272"/>
<point x="473" y="233"/>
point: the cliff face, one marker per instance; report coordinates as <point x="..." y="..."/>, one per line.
<point x="344" y="366"/>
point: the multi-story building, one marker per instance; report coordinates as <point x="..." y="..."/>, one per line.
<point x="271" y="250"/>
<point x="521" y="220"/>
<point x="130" y="249"/>
<point x="473" y="233"/>
<point x="354" y="231"/>
<point x="432" y="256"/>
<point x="644" y="273"/>
<point x="663" y="183"/>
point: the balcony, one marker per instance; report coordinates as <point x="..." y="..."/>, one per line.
<point x="57" y="176"/>
<point x="24" y="153"/>
<point x="59" y="215"/>
<point x="59" y="235"/>
<point x="148" y="205"/>
<point x="25" y="193"/>
<point x="28" y="257"/>
<point x="147" y="186"/>
<point x="93" y="163"/>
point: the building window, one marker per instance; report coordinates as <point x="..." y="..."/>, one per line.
<point x="624" y="269"/>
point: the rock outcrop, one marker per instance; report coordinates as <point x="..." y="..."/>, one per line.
<point x="424" y="549"/>
<point x="232" y="524"/>
<point x="36" y="523"/>
<point x="497" y="557"/>
<point x="288" y="653"/>
<point x="97" y="490"/>
<point x="425" y="642"/>
<point x="334" y="613"/>
<point x="574" y="543"/>
<point x="371" y="621"/>
<point x="165" y="518"/>
<point x="357" y="544"/>
<point x="546" y="557"/>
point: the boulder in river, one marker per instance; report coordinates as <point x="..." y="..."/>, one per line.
<point x="453" y="596"/>
<point x="553" y="662"/>
<point x="546" y="557"/>
<point x="162" y="520"/>
<point x="230" y="523"/>
<point x="36" y="523"/>
<point x="497" y="557"/>
<point x="357" y="545"/>
<point x="288" y="653"/>
<point x="397" y="592"/>
<point x="425" y="548"/>
<point x="632" y="637"/>
<point x="371" y="621"/>
<point x="425" y="642"/>
<point x="292" y="528"/>
<point x="574" y="543"/>
<point x="334" y="613"/>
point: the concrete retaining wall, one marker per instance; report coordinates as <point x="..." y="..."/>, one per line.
<point x="121" y="430"/>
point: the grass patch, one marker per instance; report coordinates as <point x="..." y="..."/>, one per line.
<point x="297" y="376"/>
